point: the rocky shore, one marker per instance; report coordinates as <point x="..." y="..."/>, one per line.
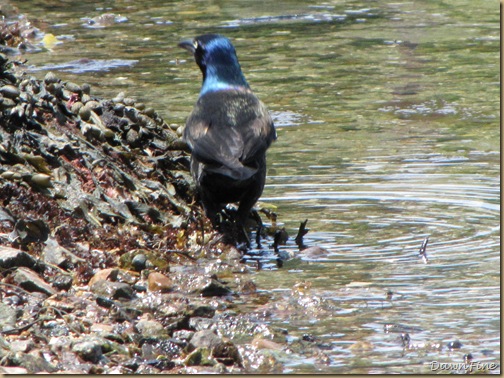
<point x="107" y="263"/>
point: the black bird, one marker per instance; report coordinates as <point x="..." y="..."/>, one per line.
<point x="228" y="131"/>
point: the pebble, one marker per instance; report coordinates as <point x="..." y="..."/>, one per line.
<point x="63" y="282"/>
<point x="11" y="257"/>
<point x="454" y="345"/>
<point x="104" y="274"/>
<point x="31" y="281"/>
<point x="128" y="101"/>
<point x="159" y="282"/>
<point x="138" y="262"/>
<point x="114" y="290"/>
<point x="23" y="346"/>
<point x="72" y="87"/>
<point x="85" y="113"/>
<point x="50" y="78"/>
<point x="10" y="91"/>
<point x="204" y="339"/>
<point x="214" y="288"/>
<point x="89" y="350"/>
<point x="8" y="317"/>
<point x="86" y="88"/>
<point x="150" y="328"/>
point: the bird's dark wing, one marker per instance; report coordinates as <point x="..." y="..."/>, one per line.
<point x="258" y="135"/>
<point x="227" y="130"/>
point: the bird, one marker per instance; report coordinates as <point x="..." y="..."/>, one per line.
<point x="227" y="132"/>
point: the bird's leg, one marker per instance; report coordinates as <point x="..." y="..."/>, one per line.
<point x="259" y="229"/>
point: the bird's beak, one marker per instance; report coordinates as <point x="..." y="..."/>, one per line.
<point x="188" y="44"/>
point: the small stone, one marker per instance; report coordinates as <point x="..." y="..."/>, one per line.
<point x="11" y="257"/>
<point x="23" y="346"/>
<point x="261" y="343"/>
<point x="183" y="334"/>
<point x="42" y="180"/>
<point x="204" y="339"/>
<point x="214" y="288"/>
<point x="63" y="282"/>
<point x="202" y="311"/>
<point x="72" y="87"/>
<point x="227" y="353"/>
<point x="7" y="317"/>
<point x="454" y="345"/>
<point x="30" y="281"/>
<point x="314" y="252"/>
<point x="89" y="350"/>
<point x="119" y="98"/>
<point x="159" y="282"/>
<point x="150" y="112"/>
<point x="10" y="91"/>
<point x="92" y="104"/>
<point x="128" y="101"/>
<point x="103" y="330"/>
<point x="109" y="274"/>
<point x="50" y="78"/>
<point x="85" y="98"/>
<point x="85" y="113"/>
<point x="86" y="88"/>
<point x="248" y="287"/>
<point x="138" y="262"/>
<point x="34" y="364"/>
<point x="115" y="290"/>
<point x="32" y="230"/>
<point x="150" y="328"/>
<point x="55" y="254"/>
<point x="200" y="357"/>
<point x="76" y="107"/>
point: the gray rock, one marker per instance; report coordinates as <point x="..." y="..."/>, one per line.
<point x="201" y="311"/>
<point x="7" y="317"/>
<point x="214" y="288"/>
<point x="89" y="350"/>
<point x="10" y="258"/>
<point x="63" y="282"/>
<point x="183" y="334"/>
<point x="33" y="364"/>
<point x="139" y="262"/>
<point x="113" y="290"/>
<point x="150" y="328"/>
<point x="199" y="324"/>
<point x="55" y="254"/>
<point x="30" y="281"/>
<point x="204" y="339"/>
<point x="23" y="346"/>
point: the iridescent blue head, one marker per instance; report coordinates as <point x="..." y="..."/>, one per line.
<point x="216" y="57"/>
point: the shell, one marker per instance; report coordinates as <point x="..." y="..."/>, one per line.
<point x="72" y="87"/>
<point x="42" y="180"/>
<point x="85" y="113"/>
<point x="86" y="88"/>
<point x="50" y="78"/>
<point x="10" y="91"/>
<point x="76" y="106"/>
<point x="128" y="101"/>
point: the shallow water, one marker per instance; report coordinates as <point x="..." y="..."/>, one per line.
<point x="388" y="133"/>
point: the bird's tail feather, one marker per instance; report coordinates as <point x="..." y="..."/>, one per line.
<point x="238" y="172"/>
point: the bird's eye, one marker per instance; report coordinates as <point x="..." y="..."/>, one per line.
<point x="195" y="44"/>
